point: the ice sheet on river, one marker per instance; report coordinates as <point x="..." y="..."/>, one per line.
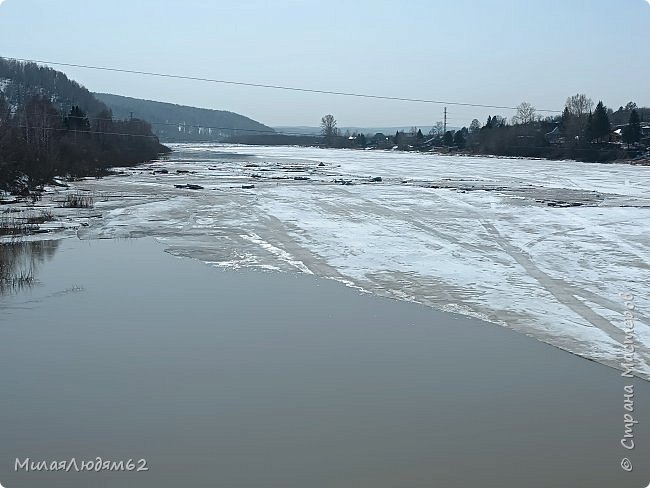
<point x="543" y="247"/>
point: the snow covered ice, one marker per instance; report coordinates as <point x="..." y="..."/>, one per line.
<point x="542" y="247"/>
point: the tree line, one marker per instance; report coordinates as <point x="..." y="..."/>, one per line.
<point x="45" y="130"/>
<point x="581" y="132"/>
<point x="37" y="142"/>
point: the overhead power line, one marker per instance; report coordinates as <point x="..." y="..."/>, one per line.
<point x="82" y="131"/>
<point x="275" y="87"/>
<point x="171" y="124"/>
<point x="182" y="124"/>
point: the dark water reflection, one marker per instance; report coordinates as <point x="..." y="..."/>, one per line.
<point x="264" y="380"/>
<point x="20" y="261"/>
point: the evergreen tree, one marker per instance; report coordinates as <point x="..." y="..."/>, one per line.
<point x="589" y="128"/>
<point x="77" y="120"/>
<point x="632" y="131"/>
<point x="459" y="139"/>
<point x="600" y="126"/>
<point x="568" y="124"/>
<point x="4" y="109"/>
<point x="448" y="139"/>
<point x="566" y="117"/>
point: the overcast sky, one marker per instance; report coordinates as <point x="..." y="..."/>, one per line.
<point x="497" y="52"/>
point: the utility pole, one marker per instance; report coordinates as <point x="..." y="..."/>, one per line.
<point x="445" y="130"/>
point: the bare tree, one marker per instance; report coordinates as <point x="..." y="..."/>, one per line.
<point x="474" y="127"/>
<point x="579" y="108"/>
<point x="328" y="127"/>
<point x="526" y="114"/>
<point x="437" y="130"/>
<point x="579" y="105"/>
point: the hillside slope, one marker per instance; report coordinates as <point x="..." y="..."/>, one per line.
<point x="179" y="123"/>
<point x="21" y="81"/>
<point x="52" y="126"/>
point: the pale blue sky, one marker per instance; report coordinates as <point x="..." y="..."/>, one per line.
<point x="499" y="52"/>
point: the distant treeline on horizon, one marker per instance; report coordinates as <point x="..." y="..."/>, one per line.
<point x="581" y="132"/>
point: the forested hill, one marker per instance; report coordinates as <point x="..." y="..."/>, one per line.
<point x="52" y="126"/>
<point x="21" y="81"/>
<point x="180" y="123"/>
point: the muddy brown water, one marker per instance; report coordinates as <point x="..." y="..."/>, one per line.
<point x="268" y="380"/>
